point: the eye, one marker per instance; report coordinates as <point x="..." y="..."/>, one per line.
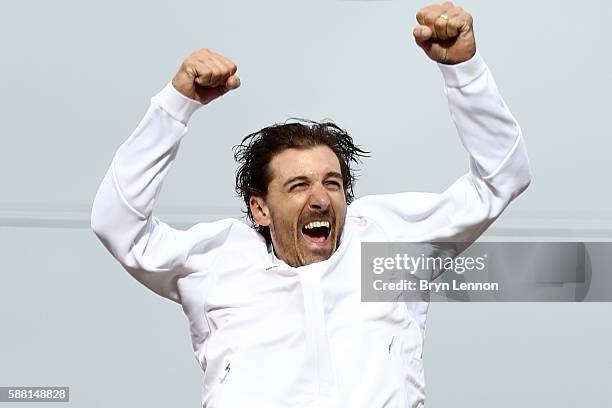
<point x="333" y="184"/>
<point x="298" y="186"/>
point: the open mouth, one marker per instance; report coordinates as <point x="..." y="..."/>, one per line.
<point x="317" y="231"/>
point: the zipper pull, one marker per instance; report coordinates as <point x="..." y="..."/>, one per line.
<point x="391" y="344"/>
<point x="227" y="370"/>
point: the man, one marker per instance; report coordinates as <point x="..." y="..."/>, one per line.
<point x="275" y="312"/>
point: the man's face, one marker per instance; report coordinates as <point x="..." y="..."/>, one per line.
<point x="305" y="206"/>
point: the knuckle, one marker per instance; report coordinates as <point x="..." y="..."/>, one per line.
<point x="424" y="11"/>
<point x="203" y="52"/>
<point x="227" y="68"/>
<point x="188" y="67"/>
<point x="205" y="78"/>
<point x="214" y="74"/>
<point x="200" y="67"/>
<point x="207" y="72"/>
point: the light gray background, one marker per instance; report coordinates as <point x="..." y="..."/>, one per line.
<point x="76" y="77"/>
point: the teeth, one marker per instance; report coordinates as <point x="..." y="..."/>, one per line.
<point x="316" y="224"/>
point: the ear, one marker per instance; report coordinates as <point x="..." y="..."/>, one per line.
<point x="260" y="211"/>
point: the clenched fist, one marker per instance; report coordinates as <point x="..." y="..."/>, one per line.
<point x="206" y="75"/>
<point x="445" y="33"/>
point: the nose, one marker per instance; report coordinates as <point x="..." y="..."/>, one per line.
<point x="319" y="198"/>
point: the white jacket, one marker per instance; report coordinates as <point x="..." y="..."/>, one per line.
<point x="269" y="335"/>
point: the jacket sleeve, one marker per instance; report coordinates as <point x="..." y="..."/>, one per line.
<point x="498" y="168"/>
<point x="150" y="250"/>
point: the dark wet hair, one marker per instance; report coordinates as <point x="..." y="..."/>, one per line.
<point x="257" y="150"/>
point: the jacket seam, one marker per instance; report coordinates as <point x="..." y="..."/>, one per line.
<point x="505" y="160"/>
<point x="122" y="197"/>
<point x="161" y="107"/>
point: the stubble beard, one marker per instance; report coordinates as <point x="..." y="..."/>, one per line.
<point x="296" y="254"/>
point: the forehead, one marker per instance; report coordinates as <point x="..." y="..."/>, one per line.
<point x="311" y="162"/>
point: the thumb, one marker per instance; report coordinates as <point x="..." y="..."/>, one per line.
<point x="422" y="34"/>
<point x="232" y="82"/>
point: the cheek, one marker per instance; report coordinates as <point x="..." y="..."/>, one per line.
<point x="340" y="205"/>
<point x="284" y="219"/>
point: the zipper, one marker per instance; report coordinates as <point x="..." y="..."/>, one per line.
<point x="225" y="373"/>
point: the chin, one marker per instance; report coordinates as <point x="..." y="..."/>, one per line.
<point x="316" y="250"/>
<point x="318" y="256"/>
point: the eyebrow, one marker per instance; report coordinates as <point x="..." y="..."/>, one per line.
<point x="329" y="174"/>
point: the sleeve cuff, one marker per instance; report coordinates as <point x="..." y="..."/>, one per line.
<point x="459" y="75"/>
<point x="176" y="104"/>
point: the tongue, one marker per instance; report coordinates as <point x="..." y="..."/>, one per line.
<point x="316" y="234"/>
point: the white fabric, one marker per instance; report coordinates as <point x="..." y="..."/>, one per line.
<point x="269" y="335"/>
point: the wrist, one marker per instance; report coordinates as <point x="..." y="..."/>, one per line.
<point x="461" y="74"/>
<point x="176" y="104"/>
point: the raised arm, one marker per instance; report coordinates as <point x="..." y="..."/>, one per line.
<point x="499" y="168"/>
<point x="153" y="252"/>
